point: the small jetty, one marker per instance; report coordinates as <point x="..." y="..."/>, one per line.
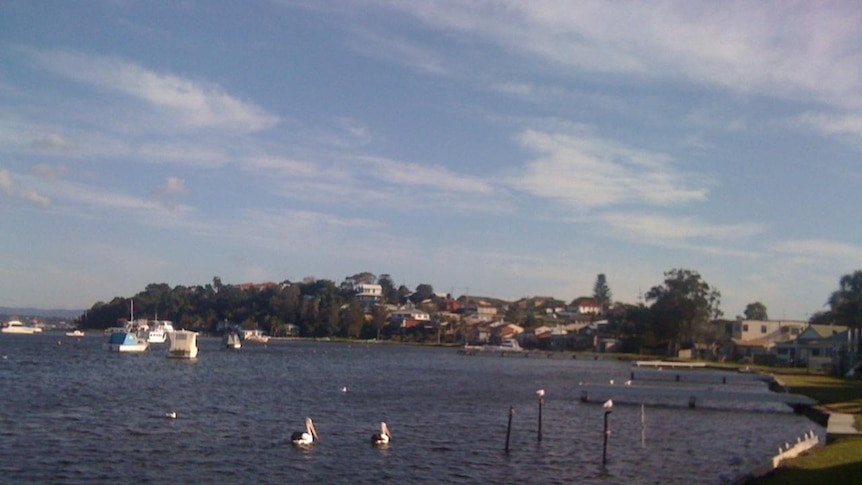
<point x="691" y="396"/>
<point x="661" y="364"/>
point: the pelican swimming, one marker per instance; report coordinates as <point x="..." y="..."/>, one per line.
<point x="383" y="437"/>
<point x="171" y="415"/>
<point x="307" y="437"/>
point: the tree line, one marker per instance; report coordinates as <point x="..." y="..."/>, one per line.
<point x="681" y="311"/>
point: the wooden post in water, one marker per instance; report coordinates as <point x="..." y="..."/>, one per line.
<point x="608" y="407"/>
<point x="509" y="427"/>
<point x="643" y="427"/>
<point x="541" y="394"/>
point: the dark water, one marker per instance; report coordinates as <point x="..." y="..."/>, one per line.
<point x="72" y="412"/>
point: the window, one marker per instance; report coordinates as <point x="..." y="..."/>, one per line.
<point x="745" y="327"/>
<point x="763" y="329"/>
<point x="794" y="331"/>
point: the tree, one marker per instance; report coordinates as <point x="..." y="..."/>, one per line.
<point x="390" y="293"/>
<point x="846" y="302"/>
<point x="756" y="311"/>
<point x="602" y="293"/>
<point x="423" y="292"/>
<point x="682" y="308"/>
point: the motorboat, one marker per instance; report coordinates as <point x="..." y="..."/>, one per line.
<point x="15" y="326"/>
<point x="75" y="333"/>
<point x="255" y="336"/>
<point x="184" y="345"/>
<point x="158" y="331"/>
<point x="126" y="341"/>
<point x="506" y="345"/>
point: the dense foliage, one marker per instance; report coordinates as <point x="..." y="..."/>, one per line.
<point x="318" y="308"/>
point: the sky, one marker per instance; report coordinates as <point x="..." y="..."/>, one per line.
<point x="496" y="148"/>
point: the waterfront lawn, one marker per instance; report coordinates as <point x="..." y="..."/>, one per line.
<point x="833" y="393"/>
<point x="837" y="463"/>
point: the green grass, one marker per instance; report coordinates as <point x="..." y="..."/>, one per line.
<point x="841" y="460"/>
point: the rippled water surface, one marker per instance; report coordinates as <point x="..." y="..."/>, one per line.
<point x="72" y="412"/>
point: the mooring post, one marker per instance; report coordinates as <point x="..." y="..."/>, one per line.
<point x="643" y="427"/>
<point x="541" y="394"/>
<point x="509" y="427"/>
<point x="608" y="407"/>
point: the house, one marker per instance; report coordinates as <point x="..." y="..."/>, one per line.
<point x="817" y="346"/>
<point x="756" y="338"/>
<point x="409" y="317"/>
<point x="585" y="305"/>
<point x="365" y="292"/>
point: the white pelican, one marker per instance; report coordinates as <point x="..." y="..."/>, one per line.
<point x="171" y="415"/>
<point x="307" y="437"/>
<point x="382" y="438"/>
<point x="540" y="393"/>
<point x="608" y="405"/>
<point x="344" y="389"/>
<point x="627" y="383"/>
<point x="611" y="382"/>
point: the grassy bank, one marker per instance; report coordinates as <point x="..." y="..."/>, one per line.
<point x="841" y="460"/>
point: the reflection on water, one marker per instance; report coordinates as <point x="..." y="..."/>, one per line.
<point x="75" y="413"/>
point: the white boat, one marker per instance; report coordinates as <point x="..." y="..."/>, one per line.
<point x="255" y="336"/>
<point x="184" y="345"/>
<point x="232" y="340"/>
<point x="126" y="341"/>
<point x="159" y="331"/>
<point x="75" y="333"/>
<point x="15" y="326"/>
<point x="507" y="345"/>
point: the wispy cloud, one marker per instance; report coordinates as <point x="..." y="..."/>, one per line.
<point x="592" y="172"/>
<point x="666" y="228"/>
<point x="771" y="48"/>
<point x="818" y="249"/>
<point x="11" y="189"/>
<point x="195" y="103"/>
<point x="839" y="125"/>
<point x="405" y="174"/>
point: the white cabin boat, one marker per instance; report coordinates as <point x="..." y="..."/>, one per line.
<point x="184" y="345"/>
<point x="507" y="345"/>
<point x="75" y="333"/>
<point x="15" y="326"/>
<point x="255" y="336"/>
<point x="159" y="331"/>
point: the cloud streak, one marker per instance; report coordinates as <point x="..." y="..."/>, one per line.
<point x="11" y="189"/>
<point x="590" y="172"/>
<point x="196" y="104"/>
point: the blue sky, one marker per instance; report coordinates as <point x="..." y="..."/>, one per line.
<point x="502" y="148"/>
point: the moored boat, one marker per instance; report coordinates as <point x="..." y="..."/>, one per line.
<point x="16" y="327"/>
<point x="184" y="345"/>
<point x="75" y="333"/>
<point x="126" y="341"/>
<point x="232" y="341"/>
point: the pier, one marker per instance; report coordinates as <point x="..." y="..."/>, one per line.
<point x="689" y="396"/>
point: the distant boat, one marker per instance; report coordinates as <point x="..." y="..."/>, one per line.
<point x="15" y="326"/>
<point x="75" y="333"/>
<point x="507" y="345"/>
<point x="159" y="332"/>
<point x="232" y="341"/>
<point x="184" y="345"/>
<point x="126" y="341"/>
<point x="255" y="336"/>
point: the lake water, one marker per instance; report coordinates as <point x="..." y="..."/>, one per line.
<point x="72" y="412"/>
